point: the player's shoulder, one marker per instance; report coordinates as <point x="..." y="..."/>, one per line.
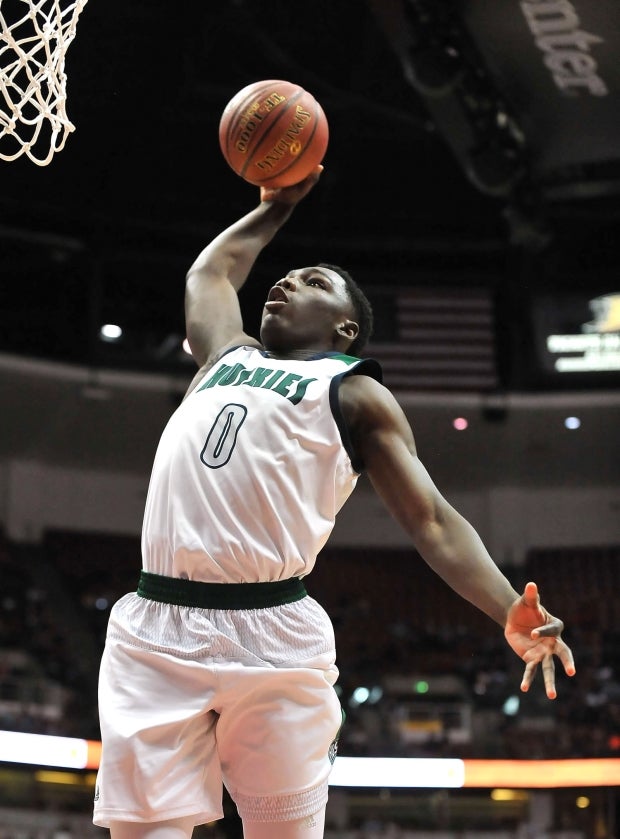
<point x="243" y="343"/>
<point x="363" y="397"/>
<point x="359" y="383"/>
<point x="246" y="343"/>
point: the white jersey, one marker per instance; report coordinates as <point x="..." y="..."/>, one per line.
<point x="251" y="470"/>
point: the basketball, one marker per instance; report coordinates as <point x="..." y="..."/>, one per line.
<point x="273" y="133"/>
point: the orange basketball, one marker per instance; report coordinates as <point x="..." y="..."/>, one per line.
<point x="273" y="133"/>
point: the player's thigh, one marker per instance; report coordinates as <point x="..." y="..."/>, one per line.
<point x="276" y="738"/>
<point x="159" y="758"/>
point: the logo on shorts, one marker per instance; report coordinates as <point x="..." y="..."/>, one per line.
<point x="97" y="793"/>
<point x="333" y="749"/>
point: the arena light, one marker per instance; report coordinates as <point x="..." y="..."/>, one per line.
<point x="508" y="795"/>
<point x="110" y="332"/>
<point x="511" y="706"/>
<point x="54" y="776"/>
<point x="45" y="750"/>
<point x="380" y="772"/>
<point x="543" y="774"/>
<point x="359" y="696"/>
<point x="397" y="772"/>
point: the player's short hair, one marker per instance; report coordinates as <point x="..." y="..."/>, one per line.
<point x="361" y="306"/>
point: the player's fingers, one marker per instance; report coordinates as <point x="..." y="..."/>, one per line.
<point x="530" y="595"/>
<point x="311" y="179"/>
<point x="564" y="653"/>
<point x="551" y="629"/>
<point x="528" y="675"/>
<point x="548" y="669"/>
<point x="295" y="192"/>
<point x="268" y="193"/>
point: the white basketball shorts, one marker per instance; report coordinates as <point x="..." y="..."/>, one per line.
<point x="190" y="699"/>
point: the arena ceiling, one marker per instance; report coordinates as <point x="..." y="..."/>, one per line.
<point x="456" y="166"/>
<point x="459" y="157"/>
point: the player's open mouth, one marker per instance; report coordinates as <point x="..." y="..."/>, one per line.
<point x="276" y="298"/>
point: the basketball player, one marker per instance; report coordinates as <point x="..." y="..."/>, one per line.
<point x="220" y="668"/>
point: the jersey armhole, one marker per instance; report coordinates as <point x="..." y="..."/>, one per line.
<point x="368" y="367"/>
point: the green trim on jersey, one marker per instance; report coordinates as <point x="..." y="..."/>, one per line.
<point x="348" y="359"/>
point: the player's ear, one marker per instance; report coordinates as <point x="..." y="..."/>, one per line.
<point x="348" y="329"/>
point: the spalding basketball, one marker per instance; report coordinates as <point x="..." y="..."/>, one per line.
<point x="273" y="133"/>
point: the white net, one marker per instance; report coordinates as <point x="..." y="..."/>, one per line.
<point x="34" y="38"/>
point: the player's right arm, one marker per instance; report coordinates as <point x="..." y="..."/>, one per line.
<point x="212" y="312"/>
<point x="383" y="438"/>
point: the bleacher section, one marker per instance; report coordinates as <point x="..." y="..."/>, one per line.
<point x="393" y="618"/>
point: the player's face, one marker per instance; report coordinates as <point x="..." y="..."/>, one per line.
<point x="307" y="309"/>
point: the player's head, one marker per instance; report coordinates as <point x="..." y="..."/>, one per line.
<point x="361" y="307"/>
<point x="317" y="308"/>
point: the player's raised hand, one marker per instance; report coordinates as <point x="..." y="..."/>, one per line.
<point x="291" y="194"/>
<point x="535" y="636"/>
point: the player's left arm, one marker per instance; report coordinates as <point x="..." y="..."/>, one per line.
<point x="449" y="544"/>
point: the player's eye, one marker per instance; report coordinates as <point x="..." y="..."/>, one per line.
<point x="315" y="281"/>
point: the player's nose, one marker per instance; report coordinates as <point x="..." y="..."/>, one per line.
<point x="288" y="283"/>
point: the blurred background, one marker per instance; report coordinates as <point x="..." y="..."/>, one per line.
<point x="472" y="187"/>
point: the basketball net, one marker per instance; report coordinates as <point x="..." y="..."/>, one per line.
<point x="33" y="45"/>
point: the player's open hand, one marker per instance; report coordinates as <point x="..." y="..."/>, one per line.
<point x="291" y="194"/>
<point x="535" y="636"/>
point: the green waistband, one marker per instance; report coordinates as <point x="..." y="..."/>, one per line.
<point x="181" y="592"/>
